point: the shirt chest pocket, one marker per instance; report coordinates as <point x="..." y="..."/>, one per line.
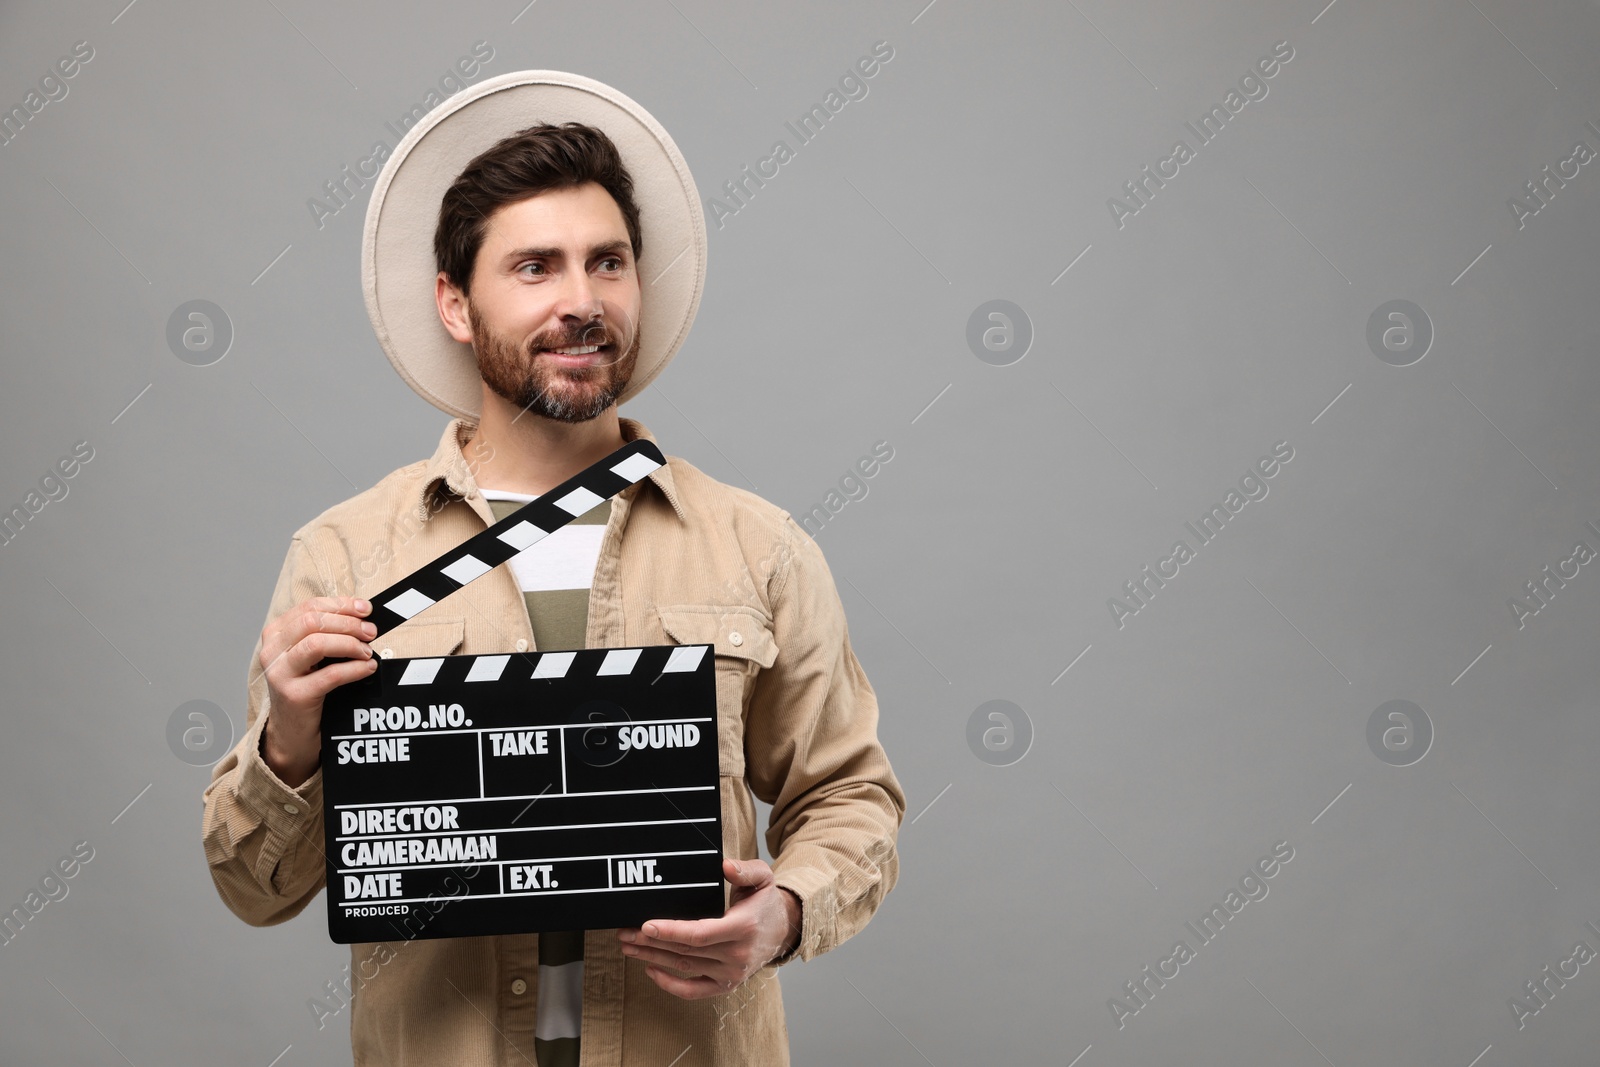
<point x="419" y="638"/>
<point x="743" y="644"/>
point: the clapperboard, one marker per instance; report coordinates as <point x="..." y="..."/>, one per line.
<point x="501" y="794"/>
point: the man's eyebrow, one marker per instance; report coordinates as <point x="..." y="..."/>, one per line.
<point x="613" y="246"/>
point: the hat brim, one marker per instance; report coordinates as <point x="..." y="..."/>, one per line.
<point x="397" y="261"/>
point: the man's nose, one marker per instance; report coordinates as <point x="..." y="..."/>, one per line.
<point x="578" y="298"/>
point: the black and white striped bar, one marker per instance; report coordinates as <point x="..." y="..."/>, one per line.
<point x="526" y="526"/>
<point x="493" y="794"/>
<point x="548" y="665"/>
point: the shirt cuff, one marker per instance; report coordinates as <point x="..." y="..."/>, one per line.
<point x="814" y="889"/>
<point x="289" y="811"/>
<point x="784" y="957"/>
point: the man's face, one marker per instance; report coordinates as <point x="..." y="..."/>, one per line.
<point x="556" y="271"/>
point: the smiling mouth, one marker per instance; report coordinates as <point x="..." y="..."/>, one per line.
<point x="576" y="355"/>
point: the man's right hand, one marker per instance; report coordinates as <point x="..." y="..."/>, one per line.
<point x="291" y="647"/>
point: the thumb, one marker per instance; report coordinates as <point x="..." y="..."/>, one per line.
<point x="752" y="874"/>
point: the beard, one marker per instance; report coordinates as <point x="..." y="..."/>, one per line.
<point x="565" y="394"/>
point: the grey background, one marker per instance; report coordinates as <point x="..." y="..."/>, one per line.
<point x="1229" y="314"/>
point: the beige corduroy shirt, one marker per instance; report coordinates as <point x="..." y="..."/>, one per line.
<point x="685" y="559"/>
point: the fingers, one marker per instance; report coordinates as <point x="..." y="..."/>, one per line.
<point x="309" y="615"/>
<point x="688" y="988"/>
<point x="328" y="615"/>
<point x="690" y="977"/>
<point x="293" y="670"/>
<point x="347" y="605"/>
<point x="292" y="639"/>
<point x="339" y="673"/>
<point x="690" y="933"/>
<point x="692" y="966"/>
<point x="319" y="628"/>
<point x="313" y="648"/>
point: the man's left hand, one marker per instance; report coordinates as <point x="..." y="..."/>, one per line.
<point x="699" y="958"/>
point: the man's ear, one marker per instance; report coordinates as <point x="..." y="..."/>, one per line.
<point x="452" y="305"/>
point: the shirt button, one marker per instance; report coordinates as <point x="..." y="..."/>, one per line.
<point x="522" y="644"/>
<point x="519" y="987"/>
<point x="736" y="639"/>
<point x="387" y="653"/>
<point x="291" y="809"/>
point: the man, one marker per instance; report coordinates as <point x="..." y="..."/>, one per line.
<point x="565" y="268"/>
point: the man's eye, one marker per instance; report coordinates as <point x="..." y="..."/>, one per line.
<point x="613" y="259"/>
<point x="525" y="266"/>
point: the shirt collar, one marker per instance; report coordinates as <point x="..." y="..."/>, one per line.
<point x="449" y="466"/>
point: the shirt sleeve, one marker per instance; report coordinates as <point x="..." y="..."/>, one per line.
<point x="263" y="840"/>
<point x="812" y="752"/>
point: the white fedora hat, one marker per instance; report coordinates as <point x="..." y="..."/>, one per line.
<point x="397" y="260"/>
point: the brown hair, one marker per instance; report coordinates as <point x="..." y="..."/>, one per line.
<point x="531" y="161"/>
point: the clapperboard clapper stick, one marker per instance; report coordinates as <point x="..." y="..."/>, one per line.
<point x="501" y="794"/>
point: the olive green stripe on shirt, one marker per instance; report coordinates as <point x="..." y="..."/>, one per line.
<point x="556" y="615"/>
<point x="595" y="516"/>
